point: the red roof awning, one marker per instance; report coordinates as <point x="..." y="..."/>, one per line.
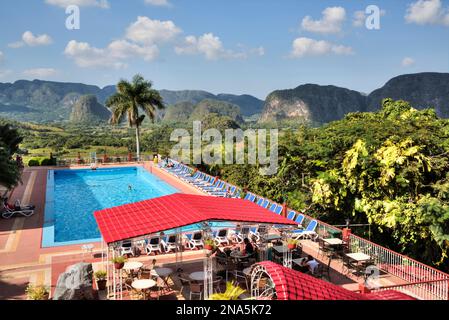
<point x="295" y="285"/>
<point x="176" y="211"/>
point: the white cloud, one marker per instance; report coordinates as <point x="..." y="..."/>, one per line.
<point x="331" y="22"/>
<point x="158" y="3"/>
<point x="210" y="46"/>
<point x="40" y="73"/>
<point x="5" y="73"/>
<point x="258" y="51"/>
<point x="29" y="39"/>
<point x="2" y="56"/>
<point x="104" y="4"/>
<point x="303" y="47"/>
<point x="114" y="55"/>
<point x="407" y="62"/>
<point x="148" y="31"/>
<point x="424" y="12"/>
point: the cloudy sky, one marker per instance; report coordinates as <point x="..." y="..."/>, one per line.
<point x="231" y="46"/>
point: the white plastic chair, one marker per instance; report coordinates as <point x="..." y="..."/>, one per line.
<point x="154" y="245"/>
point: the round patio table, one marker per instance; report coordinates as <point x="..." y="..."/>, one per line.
<point x="162" y="272"/>
<point x="130" y="266"/>
<point x="143" y="285"/>
<point x="239" y="255"/>
<point x="197" y="276"/>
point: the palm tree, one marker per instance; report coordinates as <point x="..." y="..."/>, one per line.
<point x="131" y="97"/>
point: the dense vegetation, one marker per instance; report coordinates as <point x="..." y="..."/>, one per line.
<point x="388" y="168"/>
<point x="9" y="145"/>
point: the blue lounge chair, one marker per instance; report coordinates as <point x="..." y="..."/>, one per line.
<point x="278" y="209"/>
<point x="291" y="215"/>
<point x="299" y="219"/>
<point x="273" y="207"/>
<point x="265" y="204"/>
<point x="308" y="232"/>
<point x="260" y="201"/>
<point x="250" y="197"/>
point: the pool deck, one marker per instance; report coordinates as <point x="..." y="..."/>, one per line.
<point x="22" y="259"/>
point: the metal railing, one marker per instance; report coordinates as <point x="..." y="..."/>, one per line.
<point x="423" y="290"/>
<point x="427" y="281"/>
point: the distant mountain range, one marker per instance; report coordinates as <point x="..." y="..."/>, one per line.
<point x="321" y="104"/>
<point x="46" y="101"/>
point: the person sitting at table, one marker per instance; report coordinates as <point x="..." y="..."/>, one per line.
<point x="249" y="249"/>
<point x="311" y="264"/>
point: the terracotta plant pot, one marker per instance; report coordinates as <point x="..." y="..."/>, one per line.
<point x="208" y="247"/>
<point x="291" y="246"/>
<point x="101" y="285"/>
<point x="118" y="265"/>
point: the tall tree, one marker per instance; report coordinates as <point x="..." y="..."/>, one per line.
<point x="131" y="98"/>
<point x="9" y="144"/>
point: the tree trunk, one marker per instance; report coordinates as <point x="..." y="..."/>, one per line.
<point x="138" y="142"/>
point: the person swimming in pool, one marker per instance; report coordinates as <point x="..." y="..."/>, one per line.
<point x="130" y="187"/>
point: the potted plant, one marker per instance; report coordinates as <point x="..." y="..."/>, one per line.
<point x="37" y="292"/>
<point x="292" y="244"/>
<point x="209" y="244"/>
<point x="119" y="262"/>
<point x="100" y="277"/>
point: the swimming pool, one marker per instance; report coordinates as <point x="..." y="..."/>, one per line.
<point x="73" y="196"/>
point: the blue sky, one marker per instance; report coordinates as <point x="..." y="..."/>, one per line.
<point x="223" y="46"/>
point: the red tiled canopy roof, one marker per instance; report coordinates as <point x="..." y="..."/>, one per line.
<point x="295" y="285"/>
<point x="176" y="211"/>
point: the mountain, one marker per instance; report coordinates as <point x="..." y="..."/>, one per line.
<point x="47" y="101"/>
<point x="422" y="90"/>
<point x="321" y="104"/>
<point x="220" y="108"/>
<point x="249" y="105"/>
<point x="87" y="109"/>
<point x="180" y="111"/>
<point x="313" y="103"/>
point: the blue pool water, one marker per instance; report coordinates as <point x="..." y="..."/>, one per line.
<point x="74" y="195"/>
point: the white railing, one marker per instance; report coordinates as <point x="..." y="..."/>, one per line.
<point x="424" y="290"/>
<point x="427" y="282"/>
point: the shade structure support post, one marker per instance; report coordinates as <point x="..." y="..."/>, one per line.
<point x="263" y="232"/>
<point x="108" y="273"/>
<point x="287" y="254"/>
<point x="207" y="264"/>
<point x="179" y="250"/>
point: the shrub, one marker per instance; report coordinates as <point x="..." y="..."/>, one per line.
<point x="33" y="163"/>
<point x="48" y="162"/>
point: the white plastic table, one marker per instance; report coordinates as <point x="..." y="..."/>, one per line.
<point x="358" y="256"/>
<point x="333" y="241"/>
<point x="143" y="284"/>
<point x="133" y="265"/>
<point x="197" y="276"/>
